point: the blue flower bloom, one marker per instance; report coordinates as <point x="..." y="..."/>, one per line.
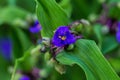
<point x="6" y="47"/>
<point x="63" y="37"/>
<point x="24" y="77"/>
<point x="118" y="32"/>
<point x="35" y="28"/>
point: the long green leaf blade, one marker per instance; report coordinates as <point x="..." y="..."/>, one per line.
<point x="50" y="15"/>
<point x="87" y="55"/>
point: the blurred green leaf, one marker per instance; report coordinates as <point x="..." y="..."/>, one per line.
<point x="10" y="14"/>
<point x="83" y="8"/>
<point x="113" y="1"/>
<point x="98" y="33"/>
<point x="27" y="61"/>
<point x="3" y="3"/>
<point x="50" y="15"/>
<point x="23" y="38"/>
<point x="66" y="5"/>
<point x="109" y="43"/>
<point x="114" y="12"/>
<point x="4" y="69"/>
<point x="115" y="63"/>
<point x="87" y="55"/>
<point x="11" y="2"/>
<point x="72" y="73"/>
<point x="21" y="42"/>
<point x="29" y="5"/>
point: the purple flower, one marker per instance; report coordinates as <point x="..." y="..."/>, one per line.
<point x="63" y="37"/>
<point x="109" y="23"/>
<point x="35" y="28"/>
<point x="118" y="32"/>
<point x="24" y="77"/>
<point x="6" y="47"/>
<point x="112" y="25"/>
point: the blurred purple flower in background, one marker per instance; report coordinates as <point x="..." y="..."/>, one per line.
<point x="24" y="77"/>
<point x="118" y="32"/>
<point x="35" y="28"/>
<point x="63" y="37"/>
<point x="112" y="25"/>
<point x="6" y="47"/>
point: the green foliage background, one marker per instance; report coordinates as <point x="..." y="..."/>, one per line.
<point x="95" y="58"/>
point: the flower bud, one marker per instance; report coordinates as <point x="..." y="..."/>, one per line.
<point x="70" y="47"/>
<point x="92" y="17"/>
<point x="43" y="73"/>
<point x="36" y="50"/>
<point x="60" y="68"/>
<point x="47" y="56"/>
<point x="46" y="41"/>
<point x="79" y="27"/>
<point x="105" y="30"/>
<point x="85" y="22"/>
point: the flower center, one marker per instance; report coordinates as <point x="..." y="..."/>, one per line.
<point x="62" y="37"/>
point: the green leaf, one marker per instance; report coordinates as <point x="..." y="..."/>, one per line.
<point x="113" y="1"/>
<point x="72" y="73"/>
<point x="10" y="14"/>
<point x="27" y="61"/>
<point x="4" y="69"/>
<point x="114" y="12"/>
<point x="109" y="43"/>
<point x="66" y="5"/>
<point x="3" y="3"/>
<point x="97" y="30"/>
<point x="115" y="63"/>
<point x="87" y="55"/>
<point x="11" y="2"/>
<point x="98" y="33"/>
<point x="50" y="15"/>
<point x="19" y="38"/>
<point x="83" y="8"/>
<point x="29" y="5"/>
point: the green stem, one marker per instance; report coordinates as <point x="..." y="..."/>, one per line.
<point x="13" y="74"/>
<point x="15" y="68"/>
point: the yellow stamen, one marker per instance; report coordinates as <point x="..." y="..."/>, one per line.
<point x="62" y="37"/>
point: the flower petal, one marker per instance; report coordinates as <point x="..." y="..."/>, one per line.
<point x="6" y="47"/>
<point x="66" y="37"/>
<point x="118" y="33"/>
<point x="24" y="78"/>
<point x="35" y="28"/>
